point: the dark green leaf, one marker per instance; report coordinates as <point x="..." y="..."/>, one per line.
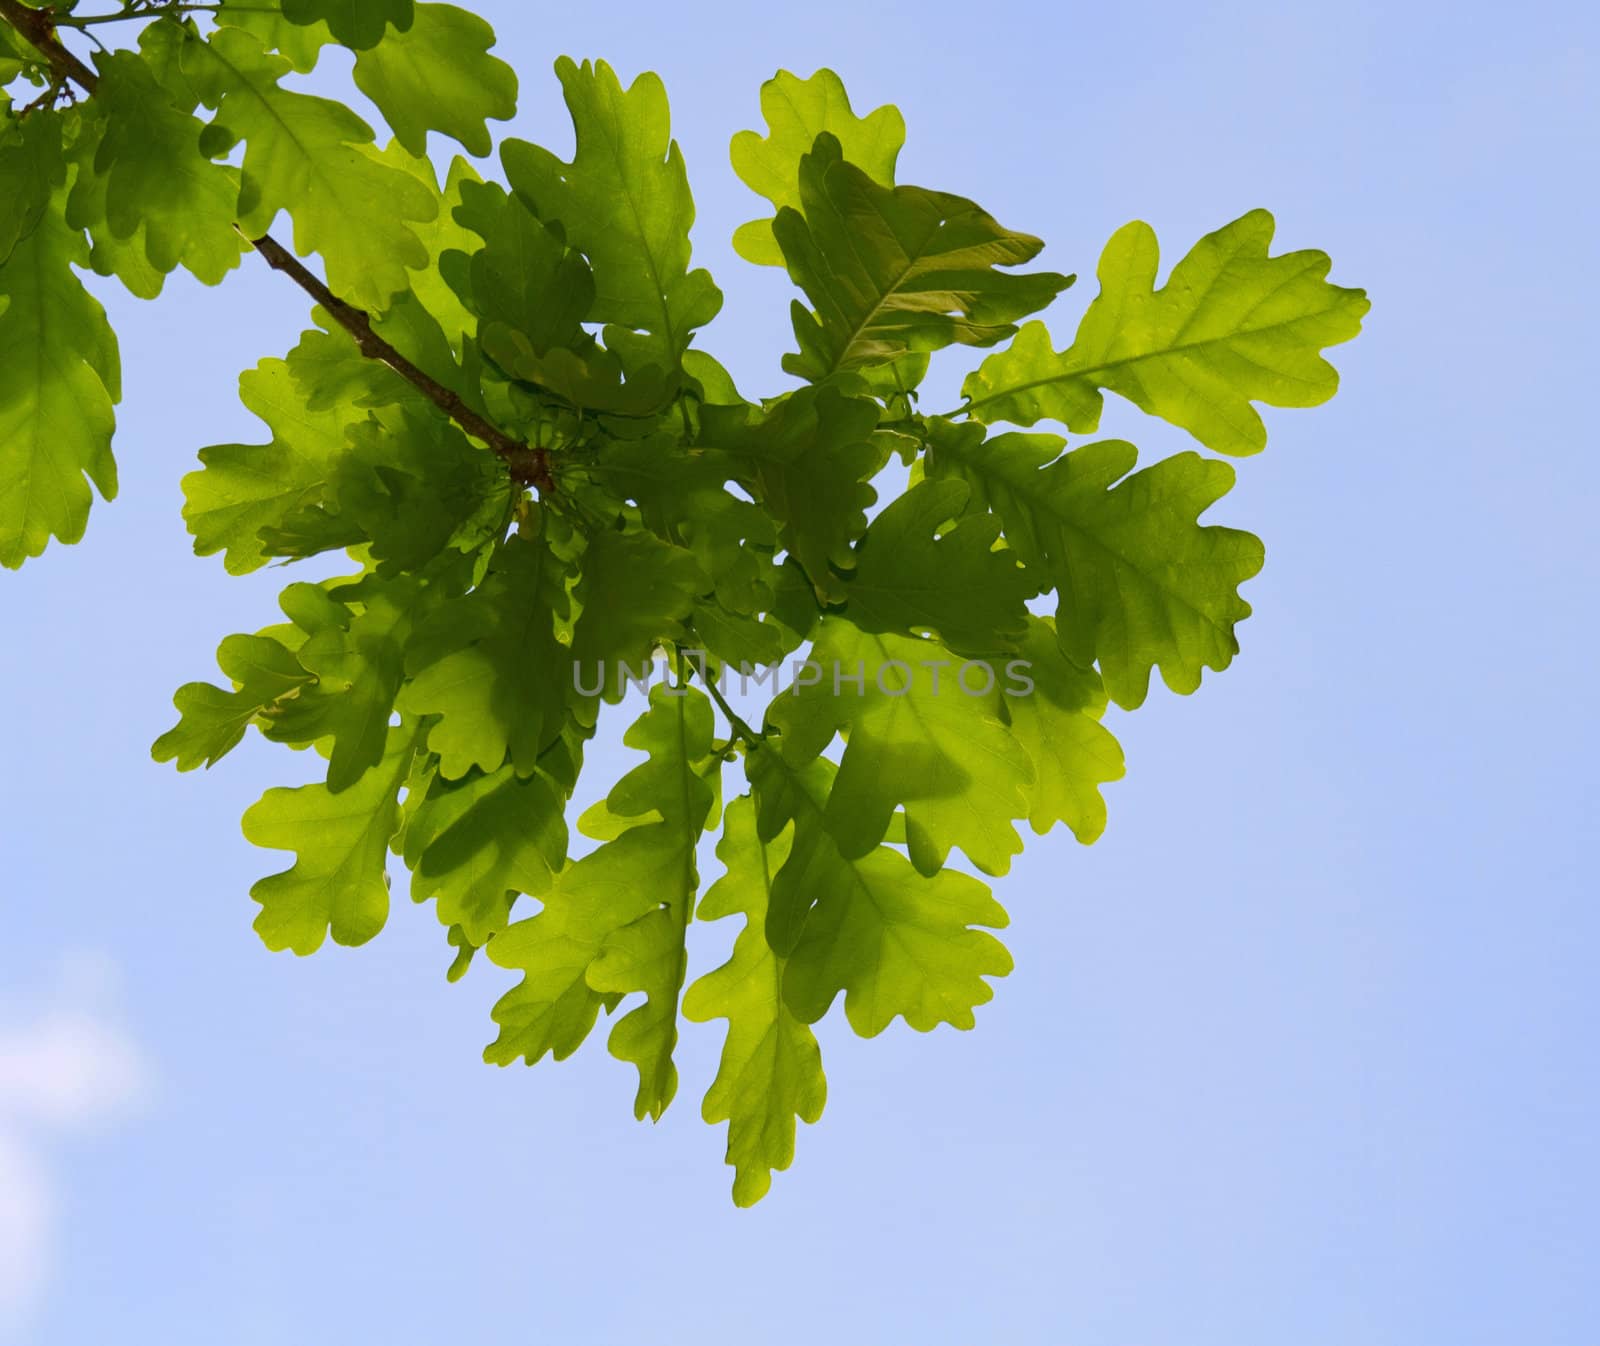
<point x="1140" y="583"/>
<point x="893" y="271"/>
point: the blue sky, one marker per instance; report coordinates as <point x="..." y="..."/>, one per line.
<point x="1302" y="1050"/>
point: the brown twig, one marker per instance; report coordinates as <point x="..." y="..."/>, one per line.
<point x="39" y="28"/>
<point x="527" y="465"/>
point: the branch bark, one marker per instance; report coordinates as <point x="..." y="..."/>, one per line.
<point x="39" y="29"/>
<point x="527" y="465"/>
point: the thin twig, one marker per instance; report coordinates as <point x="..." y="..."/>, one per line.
<point x="83" y="22"/>
<point x="527" y="465"/>
<point x="742" y="729"/>
<point x="38" y="27"/>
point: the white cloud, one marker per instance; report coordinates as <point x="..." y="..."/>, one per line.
<point x="67" y="1065"/>
<point x="68" y="1069"/>
<point x="26" y="1228"/>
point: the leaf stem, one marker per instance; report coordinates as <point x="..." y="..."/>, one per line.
<point x="743" y="730"/>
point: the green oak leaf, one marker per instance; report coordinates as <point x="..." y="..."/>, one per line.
<point x="418" y="487"/>
<point x="438" y="75"/>
<point x="491" y="668"/>
<point x="302" y="154"/>
<point x="60" y="376"/>
<point x="553" y="1008"/>
<point x="299" y="43"/>
<point x="1231" y="326"/>
<point x="808" y="460"/>
<point x="683" y="496"/>
<point x="476" y="844"/>
<point x="125" y="258"/>
<point x="155" y="176"/>
<point x="709" y="380"/>
<point x="771" y="1068"/>
<point x="648" y="955"/>
<point x="635" y="592"/>
<point x="1140" y="584"/>
<point x="161" y="46"/>
<point x="330" y="372"/>
<point x="212" y="721"/>
<point x="242" y="489"/>
<point x="752" y="640"/>
<point x="779" y="623"/>
<point x="16" y="52"/>
<point x="529" y="291"/>
<point x="410" y="483"/>
<point x="1055" y="715"/>
<point x="358" y="24"/>
<point x="915" y="574"/>
<point x="356" y="638"/>
<point x="329" y="368"/>
<point x="624" y="203"/>
<point x="896" y="382"/>
<point x="32" y="167"/>
<point x="614" y="921"/>
<point x="466" y="951"/>
<point x="440" y="235"/>
<point x="410" y="486"/>
<point x="924" y="731"/>
<point x="894" y="271"/>
<point x="797" y="111"/>
<point x="337" y="884"/>
<point x="895" y="941"/>
<point x="419" y="782"/>
<point x="590" y="377"/>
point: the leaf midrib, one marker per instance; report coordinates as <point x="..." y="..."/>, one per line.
<point x="1105" y="366"/>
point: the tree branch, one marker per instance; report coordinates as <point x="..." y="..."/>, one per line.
<point x="528" y="465"/>
<point x="38" y="27"/>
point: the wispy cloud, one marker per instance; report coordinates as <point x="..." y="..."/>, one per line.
<point x="67" y="1065"/>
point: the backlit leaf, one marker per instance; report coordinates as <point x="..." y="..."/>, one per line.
<point x="771" y="1068"/>
<point x="1231" y="326"/>
<point x="212" y="721"/>
<point x="149" y="154"/>
<point x="438" y="75"/>
<point x="1054" y="708"/>
<point x="624" y="203"/>
<point x="356" y="23"/>
<point x="490" y="666"/>
<point x="1140" y="583"/>
<point x="337" y="884"/>
<point x="924" y="732"/>
<point x="302" y="155"/>
<point x="614" y="922"/>
<point x="896" y="942"/>
<point x="59" y="377"/>
<point x="797" y="111"/>
<point x="893" y="271"/>
<point x="476" y="844"/>
<point x="915" y="573"/>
